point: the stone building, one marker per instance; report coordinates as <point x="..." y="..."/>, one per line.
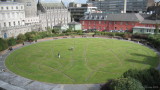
<point x="14" y="18"/>
<point x="120" y="22"/>
<point x="12" y="15"/>
<point x="30" y="7"/>
<point x="51" y="14"/>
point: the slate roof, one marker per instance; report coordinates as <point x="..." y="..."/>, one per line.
<point x="73" y="23"/>
<point x="134" y="17"/>
<point x="59" y="25"/>
<point x="10" y="3"/>
<point x="147" y="21"/>
<point x="114" y="17"/>
<point x="53" y="5"/>
<point x="43" y="6"/>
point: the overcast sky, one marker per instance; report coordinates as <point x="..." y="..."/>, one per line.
<point x="67" y="1"/>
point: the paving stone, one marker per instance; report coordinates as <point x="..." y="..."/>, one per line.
<point x="19" y="81"/>
<point x="6" y="76"/>
<point x="58" y="87"/>
<point x="2" y="83"/>
<point x="11" y="87"/>
<point x="38" y="86"/>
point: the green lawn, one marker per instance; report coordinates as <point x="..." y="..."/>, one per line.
<point x="93" y="60"/>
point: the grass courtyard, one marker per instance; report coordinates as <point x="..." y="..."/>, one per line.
<point x="82" y="61"/>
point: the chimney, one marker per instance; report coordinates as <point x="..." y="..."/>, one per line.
<point x="125" y="6"/>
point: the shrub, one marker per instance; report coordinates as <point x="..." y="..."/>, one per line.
<point x="21" y="38"/>
<point x="148" y="78"/>
<point x="123" y="84"/>
<point x="3" y="44"/>
<point x="30" y="36"/>
<point x="11" y="41"/>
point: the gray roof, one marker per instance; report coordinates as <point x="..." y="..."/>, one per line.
<point x="134" y="17"/>
<point x="147" y="21"/>
<point x="73" y="23"/>
<point x="125" y="17"/>
<point x="54" y="5"/>
<point x="10" y="3"/>
<point x="59" y="25"/>
<point x="114" y="17"/>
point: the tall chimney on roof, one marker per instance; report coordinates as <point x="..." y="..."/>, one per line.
<point x="125" y="6"/>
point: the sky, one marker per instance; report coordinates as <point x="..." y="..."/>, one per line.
<point x="67" y="1"/>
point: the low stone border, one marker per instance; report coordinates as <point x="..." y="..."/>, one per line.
<point x="11" y="81"/>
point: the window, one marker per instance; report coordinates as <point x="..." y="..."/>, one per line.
<point x="115" y="28"/>
<point x="16" y="7"/>
<point x="83" y="22"/>
<point x="7" y="8"/>
<point x="29" y="4"/>
<point x="105" y="22"/>
<point x="9" y="23"/>
<point x="121" y="23"/>
<point x="18" y="22"/>
<point x="4" y="24"/>
<point x="14" y="23"/>
<point x="12" y="7"/>
<point x="1" y="8"/>
<point x="127" y="23"/>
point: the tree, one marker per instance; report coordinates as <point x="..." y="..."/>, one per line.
<point x="21" y="38"/>
<point x="30" y="36"/>
<point x="3" y="44"/>
<point x="56" y="31"/>
<point x="11" y="41"/>
<point x="148" y="77"/>
<point x="156" y="29"/>
<point x="123" y="84"/>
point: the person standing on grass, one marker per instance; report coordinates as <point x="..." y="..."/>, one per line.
<point x="59" y="56"/>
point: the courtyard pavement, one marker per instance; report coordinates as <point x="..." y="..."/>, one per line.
<point x="11" y="81"/>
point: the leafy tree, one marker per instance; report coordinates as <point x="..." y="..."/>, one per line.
<point x="148" y="77"/>
<point x="30" y="36"/>
<point x="3" y="44"/>
<point x="11" y="41"/>
<point x="21" y="38"/>
<point x="56" y="31"/>
<point x="156" y="29"/>
<point x="123" y="84"/>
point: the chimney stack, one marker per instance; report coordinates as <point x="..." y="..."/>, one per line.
<point x="125" y="6"/>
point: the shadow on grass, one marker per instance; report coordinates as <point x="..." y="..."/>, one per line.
<point x="148" y="60"/>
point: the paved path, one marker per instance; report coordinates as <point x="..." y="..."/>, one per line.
<point x="11" y="81"/>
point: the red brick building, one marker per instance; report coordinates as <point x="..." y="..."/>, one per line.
<point x="112" y="22"/>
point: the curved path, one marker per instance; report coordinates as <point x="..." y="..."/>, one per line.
<point x="11" y="81"/>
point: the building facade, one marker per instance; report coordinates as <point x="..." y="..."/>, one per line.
<point x="30" y="7"/>
<point x="117" y="6"/>
<point x="75" y="26"/>
<point x="12" y="15"/>
<point x="13" y="20"/>
<point x="51" y="14"/>
<point x="116" y="22"/>
<point x="144" y="30"/>
<point x="79" y="10"/>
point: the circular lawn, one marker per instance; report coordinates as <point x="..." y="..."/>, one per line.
<point x="80" y="60"/>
